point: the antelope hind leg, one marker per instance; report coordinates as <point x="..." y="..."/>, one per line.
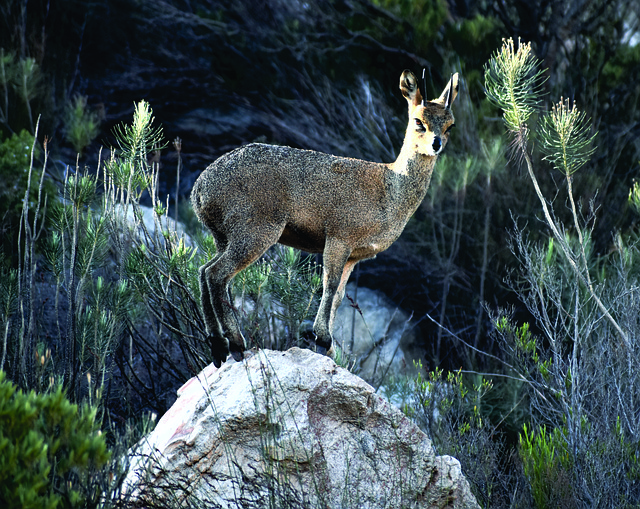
<point x="217" y="342"/>
<point x="238" y="255"/>
<point x="226" y="338"/>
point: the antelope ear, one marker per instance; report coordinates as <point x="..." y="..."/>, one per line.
<point x="409" y="88"/>
<point x="450" y="92"/>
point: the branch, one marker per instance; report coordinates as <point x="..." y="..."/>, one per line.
<point x="569" y="255"/>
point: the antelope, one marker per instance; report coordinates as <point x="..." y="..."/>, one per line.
<point x="347" y="209"/>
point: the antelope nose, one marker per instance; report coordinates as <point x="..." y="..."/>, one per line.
<point x="437" y="144"/>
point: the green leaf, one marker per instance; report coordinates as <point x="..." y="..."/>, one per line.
<point x="513" y="82"/>
<point x="565" y="137"/>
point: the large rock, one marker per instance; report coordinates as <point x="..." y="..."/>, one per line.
<point x="377" y="333"/>
<point x="290" y="429"/>
<point x="149" y="220"/>
<point x="369" y="328"/>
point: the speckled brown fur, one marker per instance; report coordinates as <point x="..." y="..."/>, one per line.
<point x="347" y="209"/>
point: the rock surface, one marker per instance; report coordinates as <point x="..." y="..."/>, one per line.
<point x="290" y="429"/>
<point x="378" y="334"/>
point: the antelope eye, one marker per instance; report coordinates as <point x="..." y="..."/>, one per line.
<point x="420" y="125"/>
<point x="449" y="128"/>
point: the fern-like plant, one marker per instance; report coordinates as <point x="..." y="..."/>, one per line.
<point x="514" y="82"/>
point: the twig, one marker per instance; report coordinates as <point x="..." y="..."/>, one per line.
<point x="567" y="251"/>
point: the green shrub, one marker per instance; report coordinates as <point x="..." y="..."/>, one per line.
<point x="547" y="465"/>
<point x="15" y="155"/>
<point x="15" y="165"/>
<point x="48" y="449"/>
<point x="579" y="359"/>
<point x="20" y="84"/>
<point x="634" y="197"/>
<point x="426" y="17"/>
<point x="81" y="125"/>
<point x="451" y="408"/>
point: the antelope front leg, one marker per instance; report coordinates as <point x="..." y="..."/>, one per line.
<point x="337" y="300"/>
<point x="336" y="254"/>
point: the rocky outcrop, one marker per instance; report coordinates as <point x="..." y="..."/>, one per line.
<point x="290" y="429"/>
<point x="377" y="333"/>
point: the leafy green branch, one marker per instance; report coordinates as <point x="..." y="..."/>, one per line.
<point x="513" y="81"/>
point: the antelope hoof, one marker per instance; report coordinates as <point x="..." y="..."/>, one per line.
<point x="219" y="350"/>
<point x="323" y="348"/>
<point x="219" y="359"/>
<point x="237" y="354"/>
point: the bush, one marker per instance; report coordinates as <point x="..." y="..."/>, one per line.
<point x="426" y="17"/>
<point x="81" y="125"/>
<point x="547" y="465"/>
<point x="49" y="448"/>
<point x="453" y="410"/>
<point x="580" y="356"/>
<point x="20" y="84"/>
<point x="15" y="163"/>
